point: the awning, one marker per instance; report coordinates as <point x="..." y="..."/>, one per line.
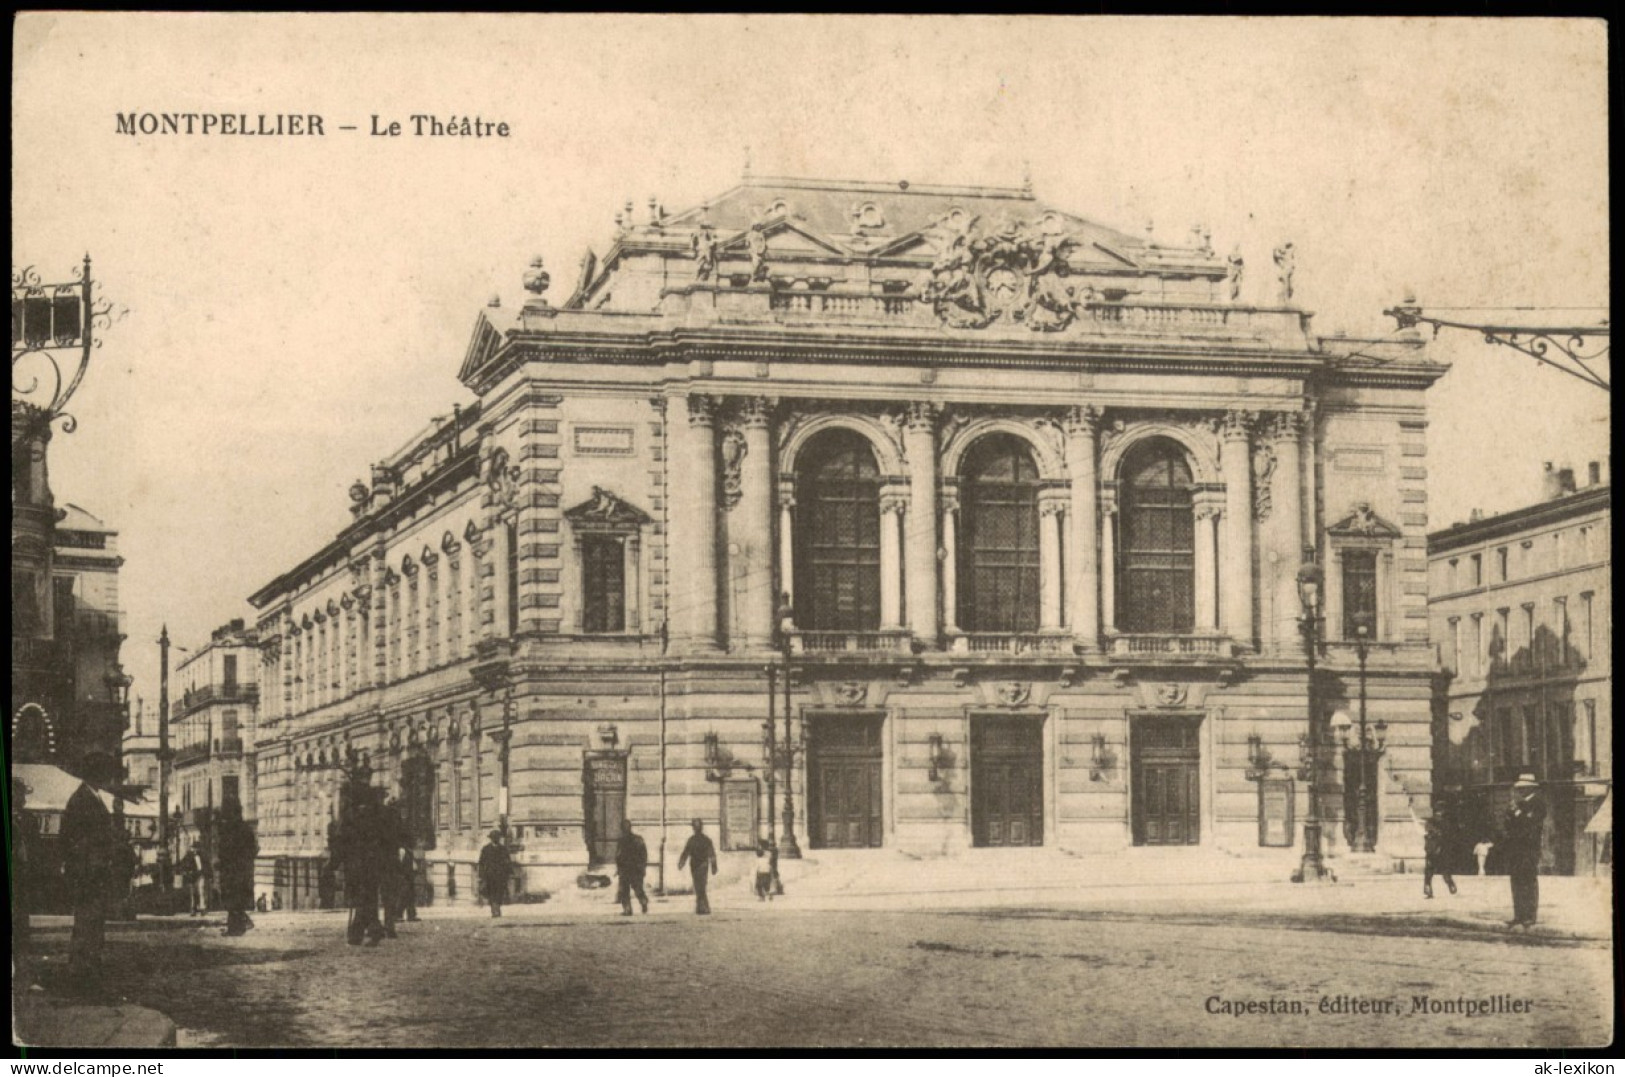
<point x="1603" y="821"/>
<point x="50" y="788"/>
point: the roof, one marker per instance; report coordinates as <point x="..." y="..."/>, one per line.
<point x="843" y="221"/>
<point x="77" y="519"/>
<point x="1540" y="514"/>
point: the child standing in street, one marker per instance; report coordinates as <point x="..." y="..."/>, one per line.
<point x="764" y="873"/>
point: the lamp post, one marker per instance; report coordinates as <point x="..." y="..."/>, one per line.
<point x="164" y="877"/>
<point x="1310" y="582"/>
<point x="1368" y="748"/>
<point x="770" y="749"/>
<point x="788" y="847"/>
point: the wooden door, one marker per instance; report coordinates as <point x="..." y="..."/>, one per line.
<point x="1167" y="790"/>
<point x="606" y="806"/>
<point x="843" y="771"/>
<point x="1007" y="782"/>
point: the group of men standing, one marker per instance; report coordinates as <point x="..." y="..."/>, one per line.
<point x="371" y="843"/>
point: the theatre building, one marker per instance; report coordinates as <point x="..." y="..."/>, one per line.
<point x="1020" y="500"/>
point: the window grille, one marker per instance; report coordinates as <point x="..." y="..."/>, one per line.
<point x="1157" y="561"/>
<point x="999" y="576"/>
<point x="603" y="579"/>
<point x="1359" y="593"/>
<point x="837" y="555"/>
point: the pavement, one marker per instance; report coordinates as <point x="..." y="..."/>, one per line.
<point x="1047" y="902"/>
<point x="40" y="1019"/>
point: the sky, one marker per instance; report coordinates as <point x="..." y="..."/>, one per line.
<point x="294" y="309"/>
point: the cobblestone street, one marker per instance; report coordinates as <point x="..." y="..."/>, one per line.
<point x="1119" y="970"/>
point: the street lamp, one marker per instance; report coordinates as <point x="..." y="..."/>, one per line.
<point x="1367" y="749"/>
<point x="1310" y="583"/>
<point x="788" y="847"/>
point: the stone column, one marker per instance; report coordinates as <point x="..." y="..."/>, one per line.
<point x="754" y="518"/>
<point x="693" y="542"/>
<point x="1049" y="563"/>
<point x="1237" y="575"/>
<point x="1286" y="432"/>
<point x="950" y="564"/>
<point x="1207" y="542"/>
<point x="1108" y="567"/>
<point x="787" y="539"/>
<point x="1082" y="553"/>
<point x="920" y="443"/>
<point x="893" y="506"/>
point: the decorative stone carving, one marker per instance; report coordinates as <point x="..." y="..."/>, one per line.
<point x="502" y="480"/>
<point x="851" y="693"/>
<point x="428" y="557"/>
<point x="866" y="217"/>
<point x="756" y="412"/>
<point x="1263" y="469"/>
<point x="1015" y="271"/>
<point x="702" y="410"/>
<point x="734" y="450"/>
<point x="1235" y="268"/>
<point x="1013" y="693"/>
<point x="1083" y="419"/>
<point x="1286" y="264"/>
<point x="1363" y="523"/>
<point x="537" y="279"/>
<point x="894" y="501"/>
<point x="1052" y="506"/>
<point x="1171" y="694"/>
<point x="1236" y="425"/>
<point x="449" y="544"/>
<point x="921" y="416"/>
<point x="707" y="252"/>
<point x="756" y="247"/>
<point x="605" y="510"/>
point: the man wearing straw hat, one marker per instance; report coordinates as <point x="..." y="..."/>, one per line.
<point x="1521" y="835"/>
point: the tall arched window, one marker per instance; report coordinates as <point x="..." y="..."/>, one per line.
<point x="1157" y="547"/>
<point x="999" y="566"/>
<point x="837" y="554"/>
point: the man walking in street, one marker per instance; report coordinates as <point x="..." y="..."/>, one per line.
<point x="238" y="848"/>
<point x="192" y="878"/>
<point x="409" y="872"/>
<point x="631" y="861"/>
<point x="495" y="868"/>
<point x="1521" y="836"/>
<point x="392" y="885"/>
<point x="701" y="857"/>
<point x="1438" y="846"/>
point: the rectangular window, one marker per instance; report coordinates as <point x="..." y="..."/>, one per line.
<point x="1453" y="575"/>
<point x="228" y="729"/>
<point x="1500" y="642"/>
<point x="1478" y="570"/>
<point x="62" y="605"/>
<point x="1585" y="625"/>
<point x="1453" y="656"/>
<point x="1509" y="743"/>
<point x="603" y="584"/>
<point x="228" y="676"/>
<point x="228" y="789"/>
<point x="1477" y="641"/>
<point x="1359" y="593"/>
<point x="1501" y="564"/>
<point x="1529" y="657"/>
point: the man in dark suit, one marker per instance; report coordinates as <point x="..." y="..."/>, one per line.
<point x="631" y="861"/>
<point x="496" y="870"/>
<point x="701" y="857"/>
<point x="1520" y="838"/>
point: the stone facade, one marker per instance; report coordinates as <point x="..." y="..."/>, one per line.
<point x="562" y="604"/>
<point x="212" y="726"/>
<point x="1521" y="618"/>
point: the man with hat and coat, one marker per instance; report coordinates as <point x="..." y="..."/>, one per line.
<point x="1521" y="834"/>
<point x="496" y="869"/>
<point x="701" y="857"/>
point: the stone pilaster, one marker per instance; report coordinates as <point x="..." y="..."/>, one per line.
<point x="1083" y="552"/>
<point x="1237" y="556"/>
<point x="920" y="444"/>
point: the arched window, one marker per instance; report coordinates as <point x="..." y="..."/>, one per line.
<point x="1156" y="562"/>
<point x="998" y="566"/>
<point x="837" y="555"/>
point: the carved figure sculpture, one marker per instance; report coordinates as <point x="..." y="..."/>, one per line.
<point x="1286" y="262"/>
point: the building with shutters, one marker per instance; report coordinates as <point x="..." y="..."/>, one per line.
<point x="212" y="735"/>
<point x="1035" y="493"/>
<point x="1522" y="619"/>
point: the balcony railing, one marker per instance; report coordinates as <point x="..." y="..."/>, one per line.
<point x="895" y="641"/>
<point x="1014" y="643"/>
<point x="97" y="624"/>
<point x="219" y="748"/>
<point x="1158" y="645"/>
<point x="194" y="698"/>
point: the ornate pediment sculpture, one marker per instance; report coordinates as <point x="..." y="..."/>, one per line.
<point x="605" y="511"/>
<point x="1011" y="270"/>
<point x="1363" y="523"/>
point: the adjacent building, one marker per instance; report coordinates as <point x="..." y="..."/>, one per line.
<point x="211" y="731"/>
<point x="1019" y="499"/>
<point x="1521" y="613"/>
